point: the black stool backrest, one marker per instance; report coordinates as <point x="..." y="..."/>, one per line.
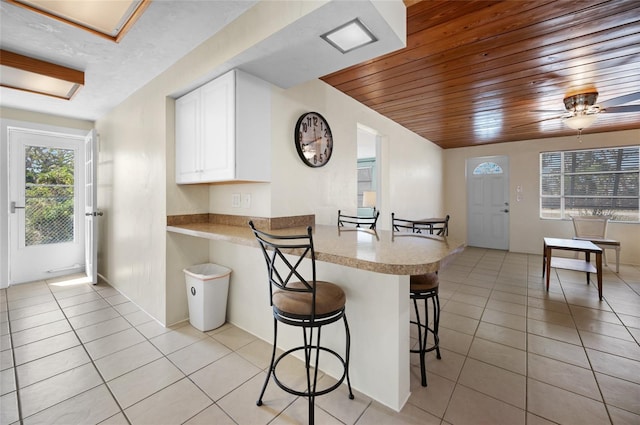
<point x="440" y="228"/>
<point x="366" y="222"/>
<point x="280" y="269"/>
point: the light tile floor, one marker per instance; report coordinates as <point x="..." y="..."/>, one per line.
<point x="511" y="354"/>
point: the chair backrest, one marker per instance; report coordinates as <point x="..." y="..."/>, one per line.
<point x="440" y="228"/>
<point x="356" y="221"/>
<point x="590" y="226"/>
<point x="403" y="224"/>
<point x="283" y="271"/>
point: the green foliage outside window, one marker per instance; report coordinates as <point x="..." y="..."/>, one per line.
<point x="50" y="202"/>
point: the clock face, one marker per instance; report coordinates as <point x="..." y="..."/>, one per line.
<point x="313" y="138"/>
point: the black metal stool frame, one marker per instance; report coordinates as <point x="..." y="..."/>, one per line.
<point x="274" y="248"/>
<point x="415" y="228"/>
<point x="424" y="329"/>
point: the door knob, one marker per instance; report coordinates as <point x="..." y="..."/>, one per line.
<point x="505" y="210"/>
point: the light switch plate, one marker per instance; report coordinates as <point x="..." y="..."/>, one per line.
<point x="246" y="200"/>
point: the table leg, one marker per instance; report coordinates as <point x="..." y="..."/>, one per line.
<point x="599" y="273"/>
<point x="587" y="258"/>
<point x="544" y="258"/>
<point x="547" y="263"/>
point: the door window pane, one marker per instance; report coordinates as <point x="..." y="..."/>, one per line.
<point x="488" y="168"/>
<point x="49" y="195"/>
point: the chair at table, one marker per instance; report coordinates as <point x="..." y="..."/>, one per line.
<point x="299" y="299"/>
<point x="422" y="287"/>
<point x="357" y="221"/>
<point x="441" y="228"/>
<point x="594" y="228"/>
<point x="438" y="226"/>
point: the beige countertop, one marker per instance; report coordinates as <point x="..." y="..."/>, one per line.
<point x="382" y="251"/>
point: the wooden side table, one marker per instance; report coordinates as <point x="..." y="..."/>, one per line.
<point x="585" y="265"/>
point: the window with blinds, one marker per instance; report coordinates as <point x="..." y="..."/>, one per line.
<point x="591" y="182"/>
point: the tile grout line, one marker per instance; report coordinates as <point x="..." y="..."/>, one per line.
<point x="13" y="359"/>
<point x="104" y="382"/>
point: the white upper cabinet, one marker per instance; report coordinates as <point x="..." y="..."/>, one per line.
<point x="223" y="131"/>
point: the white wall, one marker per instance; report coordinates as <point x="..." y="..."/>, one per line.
<point x="31" y="120"/>
<point x="136" y="169"/>
<point x="526" y="228"/>
<point x="410" y="166"/>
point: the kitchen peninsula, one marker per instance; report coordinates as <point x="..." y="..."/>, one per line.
<point x="373" y="268"/>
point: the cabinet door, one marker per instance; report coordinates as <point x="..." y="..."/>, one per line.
<point x="218" y="129"/>
<point x="188" y="133"/>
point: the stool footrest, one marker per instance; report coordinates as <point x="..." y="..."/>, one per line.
<point x="306" y="393"/>
<point x="436" y="339"/>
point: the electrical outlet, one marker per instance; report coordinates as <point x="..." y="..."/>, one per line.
<point x="246" y="200"/>
<point x="235" y="200"/>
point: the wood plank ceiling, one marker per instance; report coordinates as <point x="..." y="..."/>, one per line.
<point x="475" y="72"/>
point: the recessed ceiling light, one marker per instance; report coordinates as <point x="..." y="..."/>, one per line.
<point x="108" y="19"/>
<point x="37" y="76"/>
<point x="349" y="36"/>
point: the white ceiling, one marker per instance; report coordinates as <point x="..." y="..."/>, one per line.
<point x="167" y="31"/>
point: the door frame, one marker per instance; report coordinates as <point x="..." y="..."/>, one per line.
<point x="4" y="186"/>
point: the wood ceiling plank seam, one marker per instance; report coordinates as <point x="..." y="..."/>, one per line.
<point x="514" y="119"/>
<point x="515" y="87"/>
<point x="601" y="75"/>
<point x="409" y="40"/>
<point x="477" y="32"/>
<point x="565" y="22"/>
<point x="467" y="62"/>
<point x="454" y="127"/>
<point x="505" y="73"/>
<point x="454" y="95"/>
<point x="424" y="7"/>
<point x="446" y="12"/>
<point x="520" y="118"/>
<point x="416" y="108"/>
<point x="528" y="133"/>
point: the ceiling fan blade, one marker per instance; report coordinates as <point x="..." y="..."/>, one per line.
<point x="620" y="100"/>
<point x="620" y="109"/>
<point x="539" y="121"/>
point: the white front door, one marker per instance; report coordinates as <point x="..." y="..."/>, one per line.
<point x="46" y="199"/>
<point x="488" y="202"/>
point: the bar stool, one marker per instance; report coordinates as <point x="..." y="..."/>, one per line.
<point x="425" y="287"/>
<point x="306" y="303"/>
<point x="422" y="287"/>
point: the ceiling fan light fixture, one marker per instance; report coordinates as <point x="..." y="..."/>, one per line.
<point x="580" y="102"/>
<point x="580" y="121"/>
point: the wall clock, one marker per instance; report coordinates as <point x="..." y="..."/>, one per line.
<point x="313" y="139"/>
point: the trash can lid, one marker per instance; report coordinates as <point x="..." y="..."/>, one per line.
<point x="207" y="271"/>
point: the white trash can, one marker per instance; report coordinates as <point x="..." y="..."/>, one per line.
<point x="207" y="289"/>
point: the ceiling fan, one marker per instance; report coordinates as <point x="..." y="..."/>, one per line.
<point x="582" y="109"/>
